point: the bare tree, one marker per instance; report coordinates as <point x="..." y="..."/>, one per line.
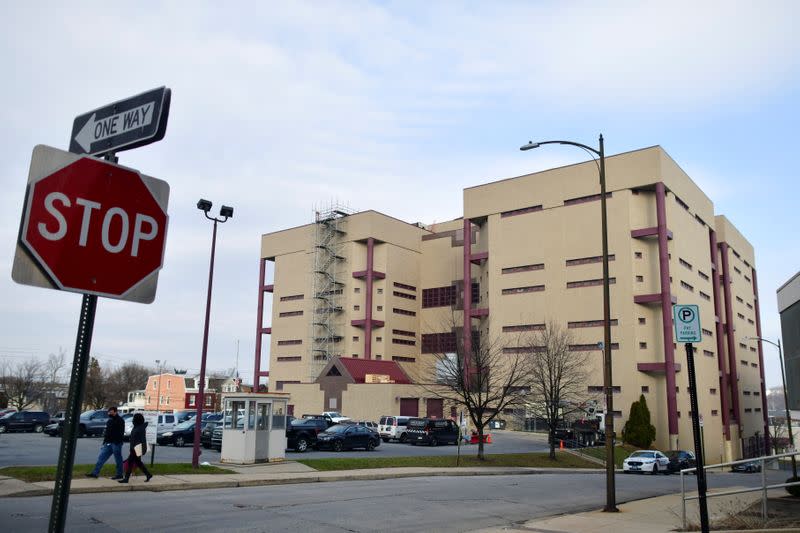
<point x="559" y="375"/>
<point x="485" y="380"/>
<point x="96" y="396"/>
<point x="23" y="382"/>
<point x="53" y="391"/>
<point x="128" y="377"/>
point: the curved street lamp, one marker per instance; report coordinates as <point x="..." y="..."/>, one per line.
<point x="225" y="213"/>
<point x="611" y="506"/>
<point x="785" y="398"/>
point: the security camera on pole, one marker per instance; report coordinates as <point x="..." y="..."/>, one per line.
<point x="97" y="228"/>
<point x="686" y="319"/>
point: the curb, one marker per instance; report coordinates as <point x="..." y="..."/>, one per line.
<point x="297" y="480"/>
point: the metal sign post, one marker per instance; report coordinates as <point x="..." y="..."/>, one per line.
<point x="77" y="386"/>
<point x="687" y="329"/>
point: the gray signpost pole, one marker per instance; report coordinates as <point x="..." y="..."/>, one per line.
<point x="77" y="386"/>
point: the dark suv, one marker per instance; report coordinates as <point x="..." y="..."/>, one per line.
<point x="432" y="431"/>
<point x="91" y="423"/>
<point x="24" y="421"/>
<point x="301" y="433"/>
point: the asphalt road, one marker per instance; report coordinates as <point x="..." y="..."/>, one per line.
<point x="409" y="504"/>
<point x="40" y="449"/>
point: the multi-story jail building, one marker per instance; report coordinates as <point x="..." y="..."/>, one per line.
<point x="361" y="301"/>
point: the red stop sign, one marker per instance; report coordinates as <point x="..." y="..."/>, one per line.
<point x="95" y="227"/>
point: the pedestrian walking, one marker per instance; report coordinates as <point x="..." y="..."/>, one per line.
<point x="112" y="444"/>
<point x="138" y="448"/>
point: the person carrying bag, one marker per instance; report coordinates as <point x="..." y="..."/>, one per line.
<point x="138" y="449"/>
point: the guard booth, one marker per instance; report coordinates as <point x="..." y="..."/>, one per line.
<point x="254" y="428"/>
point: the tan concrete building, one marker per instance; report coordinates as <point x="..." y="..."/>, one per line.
<point x="372" y="287"/>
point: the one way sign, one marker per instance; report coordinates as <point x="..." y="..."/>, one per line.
<point x="129" y="123"/>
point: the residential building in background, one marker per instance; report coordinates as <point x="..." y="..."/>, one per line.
<point x="789" y="309"/>
<point x="365" y="286"/>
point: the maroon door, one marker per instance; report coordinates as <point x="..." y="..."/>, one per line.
<point x="409" y="406"/>
<point x="435" y="408"/>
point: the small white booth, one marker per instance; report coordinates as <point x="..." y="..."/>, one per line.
<point x="254" y="428"/>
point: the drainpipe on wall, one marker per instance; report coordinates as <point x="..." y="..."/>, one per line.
<point x="467" y="329"/>
<point x="761" y="365"/>
<point x="666" y="315"/>
<point x="729" y="331"/>
<point x="719" y="332"/>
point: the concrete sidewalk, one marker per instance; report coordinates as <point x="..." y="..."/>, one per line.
<point x="659" y="514"/>
<point x="288" y="472"/>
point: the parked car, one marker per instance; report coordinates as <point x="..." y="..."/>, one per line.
<point x="58" y="417"/>
<point x="372" y="426"/>
<point x="24" y="421"/>
<point x="4" y="412"/>
<point x="347" y="436"/>
<point x="432" y="432"/>
<point x="749" y="467"/>
<point x="178" y="436"/>
<point x="301" y="433"/>
<point x="216" y="438"/>
<point x="207" y="432"/>
<point x="166" y="421"/>
<point x="679" y="460"/>
<point x="54" y="430"/>
<point x="652" y="461"/>
<point x="393" y="427"/>
<point x="335" y="416"/>
<point x="326" y="418"/>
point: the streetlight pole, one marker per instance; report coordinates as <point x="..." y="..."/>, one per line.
<point x="611" y="506"/>
<point x="785" y="398"/>
<point x="226" y="213"/>
<point x="158" y="406"/>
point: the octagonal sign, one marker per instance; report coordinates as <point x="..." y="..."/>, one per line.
<point x="91" y="226"/>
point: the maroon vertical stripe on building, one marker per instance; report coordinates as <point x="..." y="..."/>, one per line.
<point x="259" y="322"/>
<point x="666" y="308"/>
<point x="729" y="329"/>
<point x="723" y="375"/>
<point x="368" y="316"/>
<point x="761" y="363"/>
<point x="467" y="333"/>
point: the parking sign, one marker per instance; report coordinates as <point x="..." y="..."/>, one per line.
<point x="687" y="323"/>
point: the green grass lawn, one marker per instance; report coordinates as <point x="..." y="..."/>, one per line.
<point x="541" y="460"/>
<point x="620" y="453"/>
<point x="48" y="473"/>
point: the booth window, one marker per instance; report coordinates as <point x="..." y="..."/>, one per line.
<point x="251" y="416"/>
<point x="279" y="417"/>
<point x="236" y="419"/>
<point x="263" y="415"/>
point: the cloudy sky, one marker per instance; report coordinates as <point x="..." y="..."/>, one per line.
<point x="281" y="106"/>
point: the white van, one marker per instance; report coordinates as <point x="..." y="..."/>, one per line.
<point x="393" y="427"/>
<point x="166" y="422"/>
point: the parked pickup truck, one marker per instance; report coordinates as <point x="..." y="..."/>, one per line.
<point x="301" y="433"/>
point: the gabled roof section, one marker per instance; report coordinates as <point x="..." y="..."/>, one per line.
<point x="359" y="368"/>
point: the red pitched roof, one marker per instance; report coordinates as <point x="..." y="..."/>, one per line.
<point x="359" y="368"/>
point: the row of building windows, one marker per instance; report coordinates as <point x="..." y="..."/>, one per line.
<point x="522" y="268"/>
<point x="589" y="260"/>
<point x="521" y="290"/>
<point x="589" y="283"/>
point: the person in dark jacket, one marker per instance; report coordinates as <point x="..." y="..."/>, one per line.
<point x="138" y="448"/>
<point x="112" y="444"/>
